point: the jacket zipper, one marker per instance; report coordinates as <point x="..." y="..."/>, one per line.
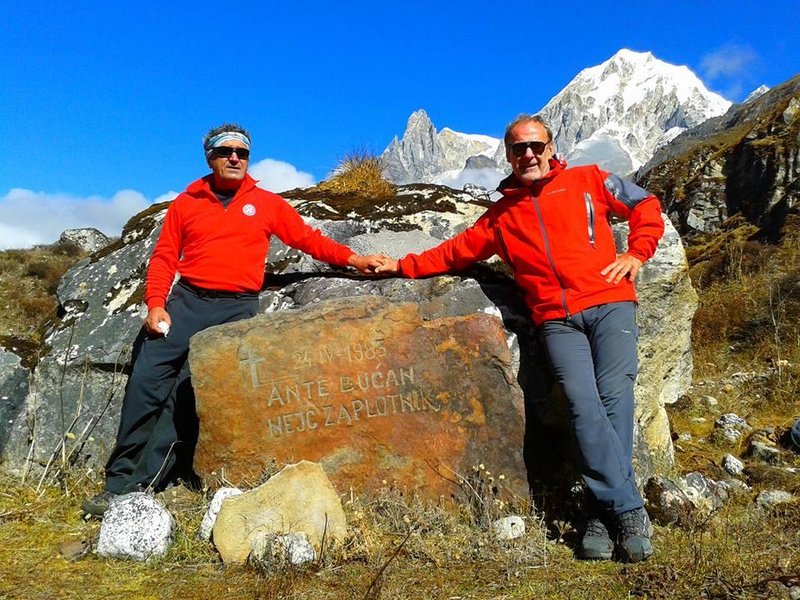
<point x="505" y="248"/>
<point x="590" y="216"/>
<point x="550" y="256"/>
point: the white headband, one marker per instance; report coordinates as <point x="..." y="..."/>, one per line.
<point x="226" y="136"/>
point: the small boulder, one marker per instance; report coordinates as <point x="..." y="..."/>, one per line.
<point x="731" y="427"/>
<point x="732" y="465"/>
<point x="666" y="502"/>
<point x="693" y="495"/>
<point x="207" y="525"/>
<point x="300" y="498"/>
<point x="87" y="239"/>
<point x="764" y="451"/>
<point x="768" y="499"/>
<point x="135" y="526"/>
<point x="508" y="528"/>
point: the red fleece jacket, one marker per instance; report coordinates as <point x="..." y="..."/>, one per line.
<point x="556" y="238"/>
<point x="225" y="248"/>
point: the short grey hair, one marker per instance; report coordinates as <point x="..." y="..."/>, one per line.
<point x="526" y="118"/>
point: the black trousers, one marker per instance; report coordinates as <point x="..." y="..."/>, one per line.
<point x="158" y="420"/>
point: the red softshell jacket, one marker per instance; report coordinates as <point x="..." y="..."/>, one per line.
<point x="556" y="237"/>
<point x="224" y="248"/>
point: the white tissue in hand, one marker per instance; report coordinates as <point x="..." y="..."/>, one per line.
<point x="163" y="327"/>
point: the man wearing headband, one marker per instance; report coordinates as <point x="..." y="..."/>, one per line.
<point x="552" y="229"/>
<point x="216" y="237"/>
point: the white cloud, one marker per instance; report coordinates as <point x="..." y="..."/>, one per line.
<point x="487" y="178"/>
<point x="28" y="218"/>
<point x="728" y="61"/>
<point x="278" y="176"/>
<point x="731" y="69"/>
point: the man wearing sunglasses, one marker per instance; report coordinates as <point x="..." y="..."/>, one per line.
<point x="216" y="236"/>
<point x="552" y="229"/>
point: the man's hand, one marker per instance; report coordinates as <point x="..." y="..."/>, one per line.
<point x="390" y="266"/>
<point x="154" y="317"/>
<point x="367" y="264"/>
<point x="625" y="266"/>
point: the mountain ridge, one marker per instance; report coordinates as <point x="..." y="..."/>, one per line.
<point x="615" y="114"/>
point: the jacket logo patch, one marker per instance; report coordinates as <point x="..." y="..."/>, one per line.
<point x="249" y="210"/>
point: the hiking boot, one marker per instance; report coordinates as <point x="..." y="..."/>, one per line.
<point x="633" y="535"/>
<point x="596" y="542"/>
<point x="97" y="505"/>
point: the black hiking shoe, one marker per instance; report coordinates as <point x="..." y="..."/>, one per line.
<point x="633" y="535"/>
<point x="596" y="542"/>
<point x="97" y="505"/>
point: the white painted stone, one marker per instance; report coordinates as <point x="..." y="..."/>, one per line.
<point x="508" y="528"/>
<point x="207" y="525"/>
<point x="135" y="526"/>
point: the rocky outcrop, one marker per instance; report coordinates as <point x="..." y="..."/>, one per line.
<point x="746" y="162"/>
<point x="87" y="239"/>
<point x="13" y="391"/>
<point x="76" y="387"/>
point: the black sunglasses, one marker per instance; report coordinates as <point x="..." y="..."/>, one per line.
<point x="519" y="148"/>
<point x="227" y="152"/>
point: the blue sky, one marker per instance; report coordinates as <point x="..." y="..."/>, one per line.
<point x="110" y="100"/>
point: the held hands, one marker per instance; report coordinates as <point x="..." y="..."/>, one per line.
<point x="373" y="264"/>
<point x="625" y="266"/>
<point x="390" y="266"/>
<point x="156" y="318"/>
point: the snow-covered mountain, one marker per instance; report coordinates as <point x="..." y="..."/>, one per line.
<point x="615" y="114"/>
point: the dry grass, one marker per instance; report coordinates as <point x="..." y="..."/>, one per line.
<point x="400" y="548"/>
<point x="28" y="282"/>
<point x="359" y="174"/>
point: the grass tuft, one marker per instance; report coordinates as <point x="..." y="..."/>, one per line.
<point x="359" y="174"/>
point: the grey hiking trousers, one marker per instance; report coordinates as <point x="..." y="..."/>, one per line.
<point x="593" y="357"/>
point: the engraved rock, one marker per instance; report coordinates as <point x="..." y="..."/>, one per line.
<point x="298" y="500"/>
<point x="366" y="387"/>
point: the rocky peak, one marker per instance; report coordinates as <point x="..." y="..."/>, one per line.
<point x="744" y="162"/>
<point x="418" y="156"/>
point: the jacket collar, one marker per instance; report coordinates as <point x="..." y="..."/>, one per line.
<point x="511" y="186"/>
<point x="202" y="186"/>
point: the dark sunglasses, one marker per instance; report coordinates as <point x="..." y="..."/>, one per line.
<point x="227" y="152"/>
<point x="519" y="148"/>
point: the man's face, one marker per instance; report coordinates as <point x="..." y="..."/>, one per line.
<point x="230" y="169"/>
<point x="529" y="166"/>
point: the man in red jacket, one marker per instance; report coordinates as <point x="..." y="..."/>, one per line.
<point x="552" y="229"/>
<point x="216" y="236"/>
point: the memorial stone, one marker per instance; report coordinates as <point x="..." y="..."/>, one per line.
<point x="365" y="387"/>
